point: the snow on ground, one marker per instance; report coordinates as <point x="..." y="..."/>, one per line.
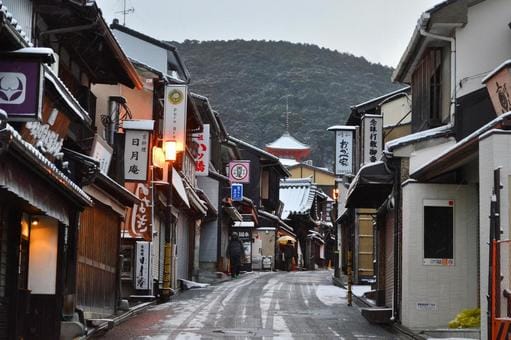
<point x="331" y="295"/>
<point x="359" y="290"/>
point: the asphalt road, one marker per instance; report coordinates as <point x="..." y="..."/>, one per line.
<point x="267" y="305"/>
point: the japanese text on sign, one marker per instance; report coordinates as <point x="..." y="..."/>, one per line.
<point x="142" y="265"/>
<point x="140" y="221"/>
<point x="373" y="138"/>
<point x="344" y="152"/>
<point x="201" y="151"/>
<point x="136" y="155"/>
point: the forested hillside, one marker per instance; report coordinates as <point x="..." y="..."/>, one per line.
<point x="247" y="82"/>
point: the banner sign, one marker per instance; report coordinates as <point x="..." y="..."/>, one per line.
<point x="21" y="84"/>
<point x="174" y="116"/>
<point x="239" y="171"/>
<point x="139" y="222"/>
<point x="102" y="152"/>
<point x="237" y="192"/>
<point x="201" y="151"/>
<point x="136" y="155"/>
<point x="372" y="138"/>
<point x="142" y="255"/>
<point x="344" y="152"/>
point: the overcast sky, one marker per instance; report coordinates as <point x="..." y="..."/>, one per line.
<point x="378" y="30"/>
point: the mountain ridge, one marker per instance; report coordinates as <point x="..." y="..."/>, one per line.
<point x="247" y="82"/>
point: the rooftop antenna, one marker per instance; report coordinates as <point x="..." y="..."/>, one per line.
<point x="125" y="12"/>
<point x="287" y="114"/>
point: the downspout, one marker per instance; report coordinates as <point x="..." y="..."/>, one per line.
<point x="452" y="110"/>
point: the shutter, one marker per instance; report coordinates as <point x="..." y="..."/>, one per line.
<point x="389" y="259"/>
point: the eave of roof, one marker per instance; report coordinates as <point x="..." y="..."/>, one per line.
<point x="12" y="139"/>
<point x="459" y="152"/>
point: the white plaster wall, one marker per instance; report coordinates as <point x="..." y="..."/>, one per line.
<point x="393" y="111"/>
<point x="43" y="250"/>
<point x="450" y="288"/>
<point x="424" y="155"/>
<point x="143" y="51"/>
<point x="483" y="44"/>
<point x="493" y="153"/>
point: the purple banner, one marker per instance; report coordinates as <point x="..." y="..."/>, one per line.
<point x="20" y="89"/>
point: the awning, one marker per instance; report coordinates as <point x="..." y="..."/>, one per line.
<point x="177" y="183"/>
<point x="370" y="187"/>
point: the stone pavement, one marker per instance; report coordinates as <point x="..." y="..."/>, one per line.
<point x="259" y="305"/>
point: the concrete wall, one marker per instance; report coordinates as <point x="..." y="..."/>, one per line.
<point x="493" y="153"/>
<point x="483" y="44"/>
<point x="434" y="294"/>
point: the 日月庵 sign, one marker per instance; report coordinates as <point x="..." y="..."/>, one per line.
<point x="136" y="155"/>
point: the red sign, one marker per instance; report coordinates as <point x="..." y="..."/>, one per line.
<point x="139" y="222"/>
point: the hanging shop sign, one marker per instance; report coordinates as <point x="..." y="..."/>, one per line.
<point x="142" y="255"/>
<point x="136" y="155"/>
<point x="174" y="117"/>
<point x="21" y="84"/>
<point x="237" y="192"/>
<point x="344" y="151"/>
<point x="372" y="138"/>
<point x="200" y="151"/>
<point x="139" y="221"/>
<point x="239" y="171"/>
<point x="102" y="152"/>
<point x="47" y="135"/>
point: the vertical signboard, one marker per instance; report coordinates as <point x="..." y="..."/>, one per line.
<point x="201" y="152"/>
<point x="142" y="255"/>
<point x="21" y="88"/>
<point x="174" y="117"/>
<point x="239" y="171"/>
<point x="344" y="155"/>
<point x="102" y="152"/>
<point x="372" y="130"/>
<point x="139" y="222"/>
<point x="136" y="155"/>
<point x="237" y="192"/>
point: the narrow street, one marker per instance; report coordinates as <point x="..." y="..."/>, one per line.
<point x="264" y="305"/>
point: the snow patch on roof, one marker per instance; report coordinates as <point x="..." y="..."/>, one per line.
<point x="417" y="137"/>
<point x="286" y="141"/>
<point x="288" y="161"/>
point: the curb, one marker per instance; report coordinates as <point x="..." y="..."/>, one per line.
<point x="107" y="325"/>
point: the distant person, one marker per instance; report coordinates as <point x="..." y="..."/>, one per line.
<point x="235" y="251"/>
<point x="289" y="251"/>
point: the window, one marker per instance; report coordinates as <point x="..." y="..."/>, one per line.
<point x="427" y="85"/>
<point x="439" y="232"/>
<point x="127" y="262"/>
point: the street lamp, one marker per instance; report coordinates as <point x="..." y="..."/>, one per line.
<point x="170" y="148"/>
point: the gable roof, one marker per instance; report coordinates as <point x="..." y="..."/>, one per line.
<point x="298" y="195"/>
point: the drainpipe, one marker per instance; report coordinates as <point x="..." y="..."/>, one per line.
<point x="425" y="33"/>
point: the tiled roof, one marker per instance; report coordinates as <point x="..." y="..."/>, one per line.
<point x="297" y="194"/>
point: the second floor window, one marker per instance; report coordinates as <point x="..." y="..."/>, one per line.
<point x="427" y="84"/>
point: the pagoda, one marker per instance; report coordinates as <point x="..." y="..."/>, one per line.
<point x="287" y="147"/>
